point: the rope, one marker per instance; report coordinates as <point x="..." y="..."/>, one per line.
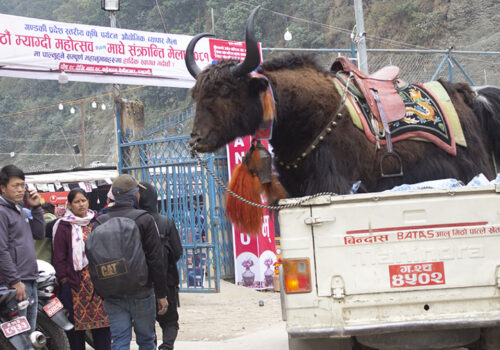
<point x="203" y="163"/>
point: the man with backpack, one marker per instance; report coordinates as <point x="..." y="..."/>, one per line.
<point x="172" y="251"/>
<point x="126" y="265"/>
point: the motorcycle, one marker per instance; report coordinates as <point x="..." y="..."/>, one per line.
<point x="15" y="328"/>
<point x="52" y="318"/>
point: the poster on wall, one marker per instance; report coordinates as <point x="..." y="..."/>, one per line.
<point x="59" y="199"/>
<point x="254" y="255"/>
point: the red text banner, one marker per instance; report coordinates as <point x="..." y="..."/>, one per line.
<point x="40" y="49"/>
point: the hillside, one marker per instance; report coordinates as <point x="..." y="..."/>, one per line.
<point x="42" y="136"/>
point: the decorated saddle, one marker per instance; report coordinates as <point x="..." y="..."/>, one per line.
<point x="427" y="112"/>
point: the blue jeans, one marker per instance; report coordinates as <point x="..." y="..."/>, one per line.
<point x="31" y="311"/>
<point x="137" y="310"/>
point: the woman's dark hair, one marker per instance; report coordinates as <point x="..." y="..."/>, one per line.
<point x="48" y="207"/>
<point x="72" y="194"/>
<point x="9" y="171"/>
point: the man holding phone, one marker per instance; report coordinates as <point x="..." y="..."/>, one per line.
<point x="18" y="267"/>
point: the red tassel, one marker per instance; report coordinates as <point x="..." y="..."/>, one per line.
<point x="247" y="217"/>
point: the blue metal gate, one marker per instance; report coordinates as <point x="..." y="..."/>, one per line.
<point x="188" y="195"/>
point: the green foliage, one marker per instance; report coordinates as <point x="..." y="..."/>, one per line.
<point x="411" y="22"/>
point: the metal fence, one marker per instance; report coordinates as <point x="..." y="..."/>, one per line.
<point x="189" y="196"/>
<point x="474" y="67"/>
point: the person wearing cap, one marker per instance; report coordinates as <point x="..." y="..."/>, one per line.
<point x="137" y="309"/>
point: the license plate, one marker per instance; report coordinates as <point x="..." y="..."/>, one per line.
<point x="14" y="327"/>
<point x="411" y="275"/>
<point x="52" y="307"/>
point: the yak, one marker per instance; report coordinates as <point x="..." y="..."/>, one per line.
<point x="229" y="105"/>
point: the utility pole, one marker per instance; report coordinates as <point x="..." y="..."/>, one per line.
<point x="360" y="36"/>
<point x="112" y="23"/>
<point x="70" y="149"/>
<point x="83" y="133"/>
<point x="213" y="24"/>
<point x="117" y="102"/>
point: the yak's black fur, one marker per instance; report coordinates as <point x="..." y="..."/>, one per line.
<point x="229" y="107"/>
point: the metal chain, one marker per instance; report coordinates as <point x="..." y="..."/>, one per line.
<point x="203" y="163"/>
<point x="322" y="135"/>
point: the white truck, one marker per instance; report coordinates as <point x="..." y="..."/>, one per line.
<point x="393" y="270"/>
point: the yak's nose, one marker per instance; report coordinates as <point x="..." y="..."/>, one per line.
<point x="194" y="139"/>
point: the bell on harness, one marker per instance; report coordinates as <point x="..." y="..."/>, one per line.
<point x="259" y="164"/>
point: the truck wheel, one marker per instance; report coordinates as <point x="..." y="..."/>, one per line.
<point x="320" y="344"/>
<point x="490" y="338"/>
<point x="56" y="336"/>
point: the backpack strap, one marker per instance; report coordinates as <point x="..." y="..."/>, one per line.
<point x="133" y="214"/>
<point x="102" y="219"/>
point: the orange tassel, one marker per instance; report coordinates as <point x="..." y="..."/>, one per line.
<point x="274" y="191"/>
<point x="246" y="217"/>
<point x="268" y="107"/>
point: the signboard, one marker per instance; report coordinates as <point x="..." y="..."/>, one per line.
<point x="254" y="255"/>
<point x="41" y="49"/>
<point x="59" y="200"/>
<point x="56" y="198"/>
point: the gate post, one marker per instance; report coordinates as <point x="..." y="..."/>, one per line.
<point x="131" y="120"/>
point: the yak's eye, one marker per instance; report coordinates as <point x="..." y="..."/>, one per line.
<point x="224" y="90"/>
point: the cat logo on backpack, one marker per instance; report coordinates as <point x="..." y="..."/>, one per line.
<point x="117" y="263"/>
<point x="111" y="269"/>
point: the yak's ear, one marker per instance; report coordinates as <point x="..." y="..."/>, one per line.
<point x="258" y="85"/>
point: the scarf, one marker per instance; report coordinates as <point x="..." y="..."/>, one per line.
<point x="77" y="242"/>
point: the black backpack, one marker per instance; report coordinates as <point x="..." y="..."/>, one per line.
<point x="170" y="237"/>
<point x="117" y="263"/>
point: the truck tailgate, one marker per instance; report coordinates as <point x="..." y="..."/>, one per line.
<point x="394" y="256"/>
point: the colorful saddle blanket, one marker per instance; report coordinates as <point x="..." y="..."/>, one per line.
<point x="430" y="116"/>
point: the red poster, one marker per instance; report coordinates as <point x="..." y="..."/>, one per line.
<point x="224" y="49"/>
<point x="56" y="198"/>
<point x="254" y="256"/>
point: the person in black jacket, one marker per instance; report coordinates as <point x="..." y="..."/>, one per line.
<point x="137" y="309"/>
<point x="18" y="268"/>
<point x="169" y="322"/>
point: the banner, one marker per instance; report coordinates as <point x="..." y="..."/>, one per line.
<point x="41" y="49"/>
<point x="254" y="256"/>
<point x="56" y="198"/>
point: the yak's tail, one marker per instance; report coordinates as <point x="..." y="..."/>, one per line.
<point x="486" y="106"/>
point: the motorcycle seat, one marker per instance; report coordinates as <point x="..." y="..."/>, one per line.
<point x="6" y="295"/>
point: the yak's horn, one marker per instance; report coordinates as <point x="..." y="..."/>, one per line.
<point x="252" y="58"/>
<point x="191" y="65"/>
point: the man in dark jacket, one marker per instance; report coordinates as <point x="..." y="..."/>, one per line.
<point x="137" y="309"/>
<point x="169" y="322"/>
<point x="18" y="267"/>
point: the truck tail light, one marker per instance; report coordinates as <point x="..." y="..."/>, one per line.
<point x="297" y="273"/>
